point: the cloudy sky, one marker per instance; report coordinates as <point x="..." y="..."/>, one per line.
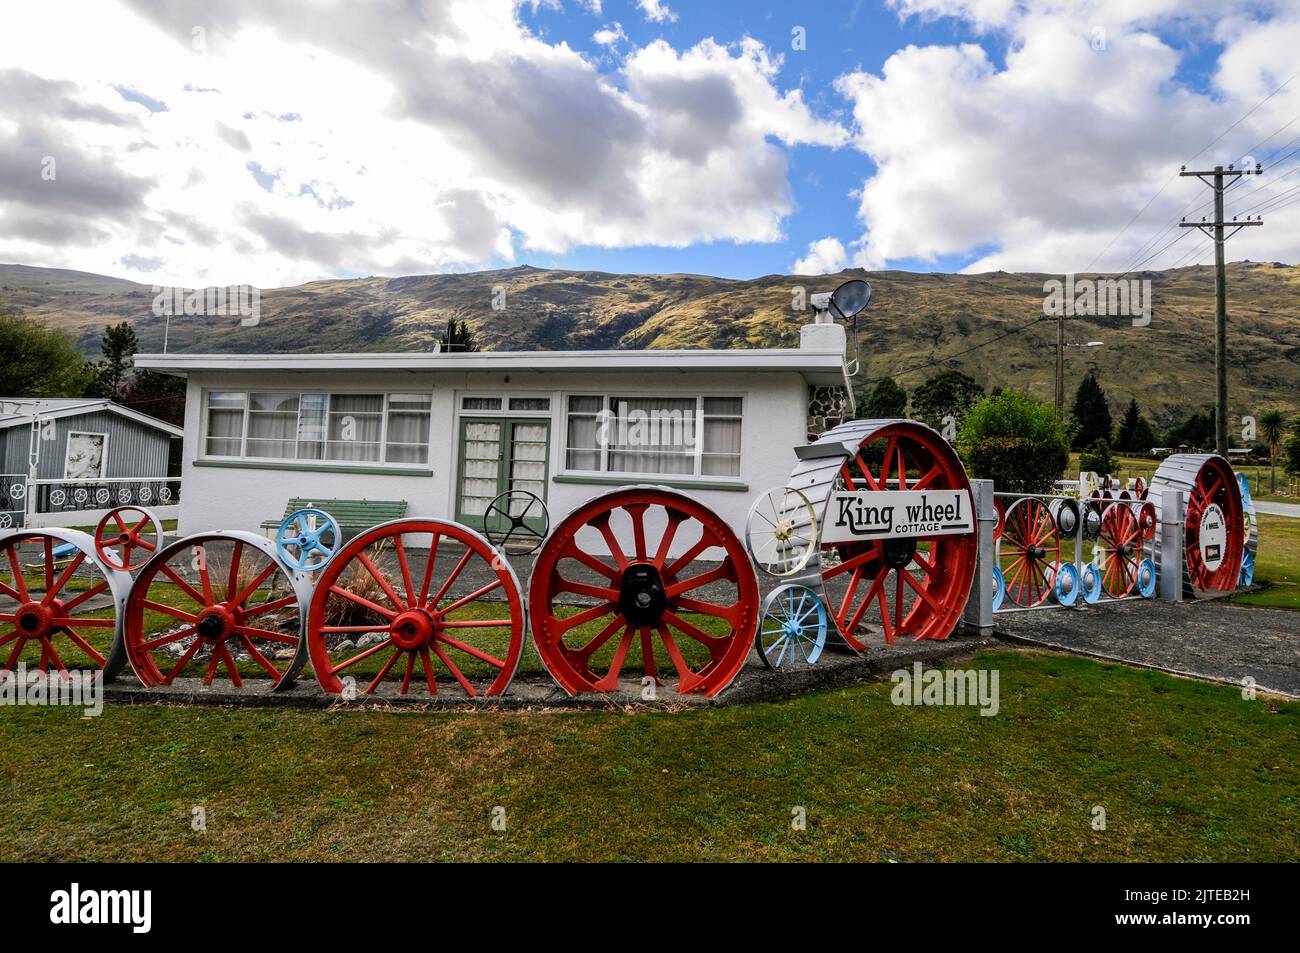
<point x="274" y="142"/>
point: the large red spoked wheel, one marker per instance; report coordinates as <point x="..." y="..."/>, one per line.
<point x="1216" y="528"/>
<point x="1119" y="549"/>
<point x="659" y="567"/>
<point x="215" y="605"/>
<point x="915" y="587"/>
<point x="413" y="601"/>
<point x="58" y="605"/>
<point x="127" y="537"/>
<point x="1029" y="551"/>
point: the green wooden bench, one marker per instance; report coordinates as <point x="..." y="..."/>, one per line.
<point x="353" y="516"/>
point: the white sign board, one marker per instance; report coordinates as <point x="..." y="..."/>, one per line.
<point x="894" y="514"/>
<point x="1213" y="536"/>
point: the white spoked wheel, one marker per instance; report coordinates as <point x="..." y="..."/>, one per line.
<point x="792" y="632"/>
<point x="781" y="531"/>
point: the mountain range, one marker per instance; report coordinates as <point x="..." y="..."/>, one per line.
<point x="916" y="325"/>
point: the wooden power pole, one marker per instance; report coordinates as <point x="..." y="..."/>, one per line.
<point x="1214" y="179"/>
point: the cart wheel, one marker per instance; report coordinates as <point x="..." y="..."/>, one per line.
<point x="507" y="517"/>
<point x="135" y="530"/>
<point x="1065" y="516"/>
<point x="1065" y="585"/>
<point x="1090" y="583"/>
<point x="999" y="588"/>
<point x="792" y="632"/>
<point x="307" y="540"/>
<point x="216" y="603"/>
<point x="1216" y="525"/>
<point x="618" y="551"/>
<point x="58" y="616"/>
<point x="1119" y="549"/>
<point x="781" y="531"/>
<point x="417" y="601"/>
<point x="1146" y="581"/>
<point x="1030" y="546"/>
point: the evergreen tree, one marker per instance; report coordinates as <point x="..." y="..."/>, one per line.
<point x="1135" y="434"/>
<point x="118" y="345"/>
<point x="948" y="394"/>
<point x="1272" y="428"/>
<point x="39" y="361"/>
<point x="888" y="399"/>
<point x="459" y="336"/>
<point x="1091" y="413"/>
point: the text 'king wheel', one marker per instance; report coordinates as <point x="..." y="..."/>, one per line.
<point x="915" y="587"/>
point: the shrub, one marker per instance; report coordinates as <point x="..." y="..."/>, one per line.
<point x="1097" y="458"/>
<point x="1014" y="440"/>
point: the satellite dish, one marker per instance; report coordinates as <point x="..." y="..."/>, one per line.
<point x="850" y="298"/>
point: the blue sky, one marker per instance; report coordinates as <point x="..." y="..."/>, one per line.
<point x="281" y="141"/>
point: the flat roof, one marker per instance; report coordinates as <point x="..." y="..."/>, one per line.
<point x="818" y="366"/>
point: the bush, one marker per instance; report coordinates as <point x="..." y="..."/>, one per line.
<point x="1014" y="440"/>
<point x="1096" y="458"/>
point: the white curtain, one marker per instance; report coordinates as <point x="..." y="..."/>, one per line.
<point x="652" y="435"/>
<point x="356" y="422"/>
<point x="272" y="425"/>
<point x="225" y="423"/>
<point x="582" y="446"/>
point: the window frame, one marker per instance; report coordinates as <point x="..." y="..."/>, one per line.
<point x="697" y="473"/>
<point x="324" y="460"/>
<point x="103" y="454"/>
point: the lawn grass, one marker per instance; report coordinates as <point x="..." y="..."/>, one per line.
<point x="1277" y="564"/>
<point x="1184" y="770"/>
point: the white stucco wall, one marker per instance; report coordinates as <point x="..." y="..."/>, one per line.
<point x="224" y="497"/>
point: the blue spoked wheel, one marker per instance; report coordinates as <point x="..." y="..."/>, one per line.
<point x="1247" y="571"/>
<point x="1090" y="583"/>
<point x="308" y="540"/>
<point x="792" y="632"/>
<point x="1146" y="581"/>
<point x="999" y="588"/>
<point x="1065" y="585"/>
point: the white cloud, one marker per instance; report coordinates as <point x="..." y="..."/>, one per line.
<point x="381" y="138"/>
<point x="656" y="11"/>
<point x="1036" y="164"/>
<point x="825" y="256"/>
<point x="610" y="35"/>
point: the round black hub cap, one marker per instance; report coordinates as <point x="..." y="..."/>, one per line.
<point x="899" y="552"/>
<point x="641" y="596"/>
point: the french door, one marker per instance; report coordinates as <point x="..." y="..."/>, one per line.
<point x="499" y="454"/>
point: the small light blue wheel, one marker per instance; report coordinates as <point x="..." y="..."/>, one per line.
<point x="1090" y="583"/>
<point x="1247" y="571"/>
<point x="308" y="540"/>
<point x="1146" y="581"/>
<point x="999" y="588"/>
<point x="792" y="632"/>
<point x="1066" y="584"/>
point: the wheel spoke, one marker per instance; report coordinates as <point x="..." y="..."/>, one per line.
<point x="85" y="646"/>
<point x="466" y="600"/>
<point x="471" y="650"/>
<point x="64" y="576"/>
<point x="384" y="584"/>
<point x="455" y="672"/>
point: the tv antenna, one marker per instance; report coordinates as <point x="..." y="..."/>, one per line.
<point x="844" y="304"/>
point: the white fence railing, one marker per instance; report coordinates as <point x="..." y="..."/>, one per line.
<point x="27" y="502"/>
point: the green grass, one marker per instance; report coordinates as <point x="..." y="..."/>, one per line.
<point x="1184" y="770"/>
<point x="1277" y="564"/>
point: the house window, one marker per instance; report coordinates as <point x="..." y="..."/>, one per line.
<point x="85" y="455"/>
<point x="481" y="405"/>
<point x="340" y="428"/>
<point x="688" y="436"/>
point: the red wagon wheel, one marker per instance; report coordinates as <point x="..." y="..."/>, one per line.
<point x="215" y="605"/>
<point x="1030" y="552"/>
<point x="643" y="556"/>
<point x="127" y="537"/>
<point x="1119" y="549"/>
<point x="916" y="587"/>
<point x="55" y="617"/>
<point x="1215" y="528"/>
<point x="416" y="601"/>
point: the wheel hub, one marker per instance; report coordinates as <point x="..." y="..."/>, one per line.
<point x="216" y="623"/>
<point x="642" y="598"/>
<point x="412" y="629"/>
<point x="899" y="552"/>
<point x="1037" y="552"/>
<point x="35" y="620"/>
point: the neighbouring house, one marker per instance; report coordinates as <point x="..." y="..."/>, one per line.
<point x="448" y="432"/>
<point x="66" y="461"/>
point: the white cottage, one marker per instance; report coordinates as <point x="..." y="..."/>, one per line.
<point x="448" y="432"/>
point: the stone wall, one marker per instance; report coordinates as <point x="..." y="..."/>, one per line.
<point x="827" y="408"/>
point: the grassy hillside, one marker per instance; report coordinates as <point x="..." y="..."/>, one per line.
<point x="914" y="319"/>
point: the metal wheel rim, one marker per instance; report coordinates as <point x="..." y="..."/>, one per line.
<point x="778" y="511"/>
<point x="792" y="631"/>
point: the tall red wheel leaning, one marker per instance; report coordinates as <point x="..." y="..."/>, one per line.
<point x="916" y="586"/>
<point x="1029" y="551"/>
<point x="1119" y="549"/>
<point x="127" y="537"/>
<point x="60" y="604"/>
<point x="218" y="606"/>
<point x="633" y="565"/>
<point x="417" y="602"/>
<point x="1215" y="527"/>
